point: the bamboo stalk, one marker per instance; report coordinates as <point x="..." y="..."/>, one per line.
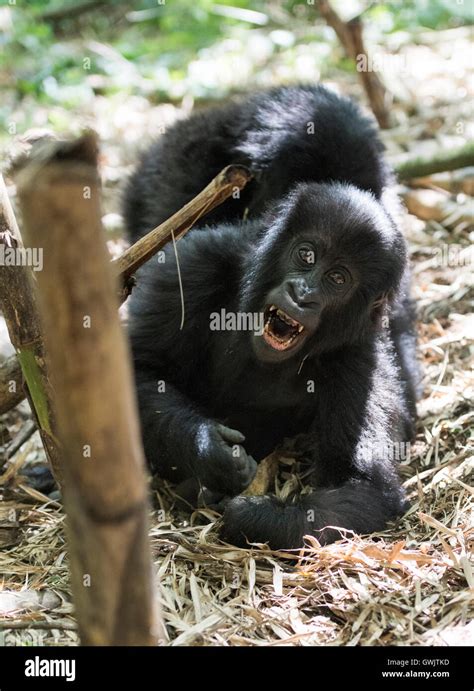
<point x="105" y="492"/>
<point x="18" y="304"/>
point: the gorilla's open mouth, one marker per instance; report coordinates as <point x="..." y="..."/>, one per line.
<point x="281" y="331"/>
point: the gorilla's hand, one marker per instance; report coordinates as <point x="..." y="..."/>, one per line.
<point x="221" y="463"/>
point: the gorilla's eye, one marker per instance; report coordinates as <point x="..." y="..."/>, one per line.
<point x="306" y="254"/>
<point x="338" y="277"/>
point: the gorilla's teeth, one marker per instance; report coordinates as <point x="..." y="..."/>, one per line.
<point x="289" y="320"/>
<point x="284" y="317"/>
<point x="280" y="341"/>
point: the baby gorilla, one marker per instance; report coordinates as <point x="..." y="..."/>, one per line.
<point x="311" y="254"/>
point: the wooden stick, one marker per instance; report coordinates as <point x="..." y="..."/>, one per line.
<point x="24" y="433"/>
<point x="105" y="492"/>
<point x="339" y="27"/>
<point x="229" y="181"/>
<point x="351" y="38"/>
<point x="378" y="96"/>
<point x="11" y="384"/>
<point x="265" y="475"/>
<point x="18" y="304"/>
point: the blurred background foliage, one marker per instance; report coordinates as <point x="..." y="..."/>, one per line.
<point x="61" y="55"/>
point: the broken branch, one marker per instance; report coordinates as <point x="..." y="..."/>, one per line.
<point x="227" y="182"/>
<point x="11" y="384"/>
<point x="18" y="304"/>
<point x="350" y="34"/>
<point x="105" y="492"/>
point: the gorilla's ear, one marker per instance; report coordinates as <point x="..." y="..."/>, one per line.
<point x="379" y="305"/>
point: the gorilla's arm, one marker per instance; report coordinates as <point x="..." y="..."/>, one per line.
<point x="180" y="438"/>
<point x="356" y="486"/>
<point x="180" y="442"/>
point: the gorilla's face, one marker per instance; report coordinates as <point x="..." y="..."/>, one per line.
<point x="293" y="310"/>
<point x="335" y="258"/>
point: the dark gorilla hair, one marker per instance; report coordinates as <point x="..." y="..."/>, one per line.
<point x="312" y="248"/>
<point x="285" y="136"/>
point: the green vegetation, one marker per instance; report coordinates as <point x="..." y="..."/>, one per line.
<point x="167" y="49"/>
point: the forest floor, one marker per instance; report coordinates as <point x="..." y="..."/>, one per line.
<point x="410" y="585"/>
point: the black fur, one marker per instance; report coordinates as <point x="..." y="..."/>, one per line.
<point x="266" y="132"/>
<point x="229" y="397"/>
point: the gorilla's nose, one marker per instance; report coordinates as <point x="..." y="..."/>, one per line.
<point x="302" y="295"/>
